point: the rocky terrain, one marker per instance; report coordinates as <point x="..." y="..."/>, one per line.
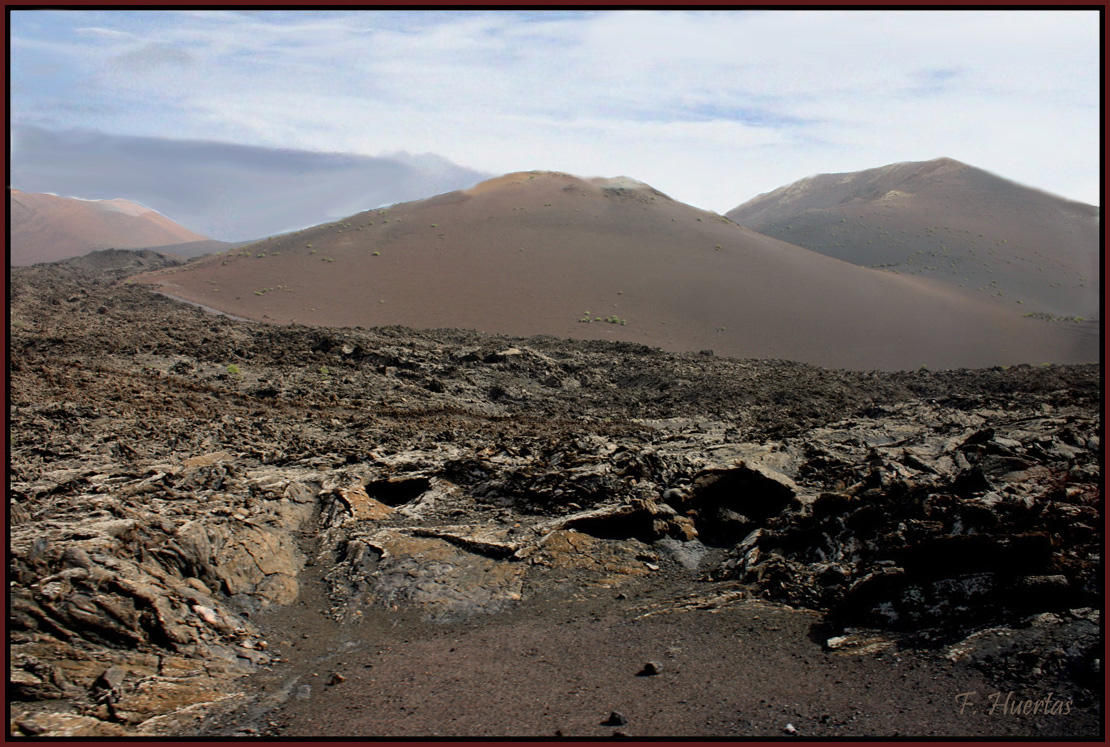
<point x="224" y="528"/>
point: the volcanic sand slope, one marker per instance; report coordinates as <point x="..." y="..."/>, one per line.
<point x="47" y="228"/>
<point x="946" y="220"/>
<point x="549" y="253"/>
<point x="197" y="248"/>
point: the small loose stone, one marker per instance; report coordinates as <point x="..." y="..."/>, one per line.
<point x="615" y="719"/>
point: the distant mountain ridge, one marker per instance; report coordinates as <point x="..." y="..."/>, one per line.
<point x="614" y="259"/>
<point x="228" y="191"/>
<point x="946" y="220"/>
<point x="48" y="228"/>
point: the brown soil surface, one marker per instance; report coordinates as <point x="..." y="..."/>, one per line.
<point x="545" y="253"/>
<point x="561" y="666"/>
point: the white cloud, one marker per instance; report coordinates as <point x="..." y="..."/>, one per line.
<point x="111" y="34"/>
<point x="151" y="58"/>
<point x="707" y="106"/>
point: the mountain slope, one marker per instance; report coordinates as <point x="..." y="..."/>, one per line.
<point x="550" y="253"/>
<point x="47" y="228"/>
<point x="946" y="220"/>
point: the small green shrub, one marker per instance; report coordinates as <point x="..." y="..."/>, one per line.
<point x="233" y="370"/>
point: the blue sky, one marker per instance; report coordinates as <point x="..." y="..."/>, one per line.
<point x="712" y="108"/>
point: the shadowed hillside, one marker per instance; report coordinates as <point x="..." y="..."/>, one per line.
<point x="946" y="220"/>
<point x="549" y="253"/>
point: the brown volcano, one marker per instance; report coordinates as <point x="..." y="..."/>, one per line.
<point x="946" y="220"/>
<point x="47" y="228"/>
<point x="550" y="253"/>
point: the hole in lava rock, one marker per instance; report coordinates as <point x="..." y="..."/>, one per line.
<point x="398" y="491"/>
<point x="731" y="502"/>
<point x="635" y="525"/>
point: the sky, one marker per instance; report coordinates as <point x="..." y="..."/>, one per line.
<point x="226" y="191"/>
<point x="711" y="107"/>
